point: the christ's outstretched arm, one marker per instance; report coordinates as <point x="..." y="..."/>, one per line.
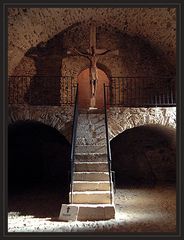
<point x="81" y="53"/>
<point x="100" y="54"/>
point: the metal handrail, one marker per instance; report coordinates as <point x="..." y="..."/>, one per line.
<point x="125" y="91"/>
<point x="108" y="143"/>
<point x="38" y="75"/>
<point x="73" y="141"/>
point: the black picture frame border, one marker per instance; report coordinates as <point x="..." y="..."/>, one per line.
<point x="4" y="112"/>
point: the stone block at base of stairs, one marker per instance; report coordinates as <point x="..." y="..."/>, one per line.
<point x="91" y="212"/>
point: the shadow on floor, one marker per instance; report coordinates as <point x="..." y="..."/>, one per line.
<point x="41" y="201"/>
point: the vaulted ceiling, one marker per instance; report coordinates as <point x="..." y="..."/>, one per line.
<point x="27" y="27"/>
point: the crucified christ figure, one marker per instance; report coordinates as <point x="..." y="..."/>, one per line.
<point x="93" y="75"/>
<point x="93" y="55"/>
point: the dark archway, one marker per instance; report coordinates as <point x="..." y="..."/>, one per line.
<point x="38" y="165"/>
<point x="145" y="155"/>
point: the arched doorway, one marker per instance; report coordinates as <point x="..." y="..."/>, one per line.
<point x="148" y="160"/>
<point x="38" y="162"/>
<point x="85" y="91"/>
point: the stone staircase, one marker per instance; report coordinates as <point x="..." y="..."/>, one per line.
<point x="91" y="193"/>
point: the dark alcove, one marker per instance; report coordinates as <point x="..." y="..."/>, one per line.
<point x="144" y="155"/>
<point x="38" y="165"/>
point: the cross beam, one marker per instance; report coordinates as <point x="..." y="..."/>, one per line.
<point x="93" y="55"/>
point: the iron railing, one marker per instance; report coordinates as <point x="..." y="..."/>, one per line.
<point x="142" y="91"/>
<point x="108" y="143"/>
<point x="41" y="90"/>
<point x="73" y="142"/>
<point x="123" y="91"/>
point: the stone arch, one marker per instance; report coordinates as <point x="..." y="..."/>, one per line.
<point x="100" y="65"/>
<point x="73" y="66"/>
<point x="59" y="118"/>
<point x="84" y="87"/>
<point x="37" y="150"/>
<point x="121" y="119"/>
<point x="38" y="162"/>
<point x="145" y="155"/>
<point x="104" y="68"/>
<point x="63" y="18"/>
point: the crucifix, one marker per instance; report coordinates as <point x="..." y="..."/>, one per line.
<point x="93" y="55"/>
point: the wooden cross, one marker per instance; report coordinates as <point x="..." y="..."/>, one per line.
<point x="93" y="55"/>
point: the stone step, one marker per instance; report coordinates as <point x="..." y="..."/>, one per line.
<point x="91" y="167"/>
<point x="98" y="141"/>
<point x="91" y="186"/>
<point x="91" y="124"/>
<point x="91" y="197"/>
<point x="92" y="121"/>
<point x="90" y="176"/>
<point x="91" y="111"/>
<point x="90" y="149"/>
<point x="88" y="212"/>
<point x="98" y="133"/>
<point x="88" y="125"/>
<point x="92" y="157"/>
<point x="95" y="119"/>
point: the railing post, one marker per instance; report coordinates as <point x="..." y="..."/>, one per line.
<point x="124" y="91"/>
<point x="107" y="142"/>
<point x="73" y="142"/>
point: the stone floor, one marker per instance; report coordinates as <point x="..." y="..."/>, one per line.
<point x="137" y="210"/>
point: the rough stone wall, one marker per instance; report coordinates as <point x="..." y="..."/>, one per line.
<point x="145" y="155"/>
<point x="119" y="119"/>
<point x="26" y="67"/>
<point x="143" y="140"/>
<point x="27" y="27"/>
<point x="57" y="117"/>
<point x="136" y="57"/>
